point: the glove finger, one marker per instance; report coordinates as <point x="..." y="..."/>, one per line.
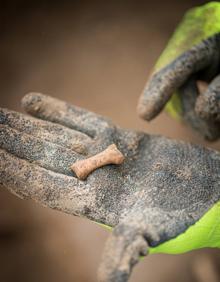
<point x="122" y="251"/>
<point x="52" y="109"/>
<point x="189" y="94"/>
<point x="208" y="103"/>
<point x="29" y="181"/>
<point x="165" y="81"/>
<point x="46" y="154"/>
<point x="45" y="130"/>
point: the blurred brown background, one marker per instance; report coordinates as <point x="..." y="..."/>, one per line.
<point x="97" y="55"/>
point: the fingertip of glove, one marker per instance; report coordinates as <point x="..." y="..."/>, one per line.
<point x="145" y="109"/>
<point x="31" y="102"/>
<point x="207" y="108"/>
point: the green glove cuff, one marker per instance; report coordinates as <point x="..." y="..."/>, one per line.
<point x="204" y="233"/>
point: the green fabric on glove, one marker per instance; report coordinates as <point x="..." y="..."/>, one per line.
<point x="204" y="233"/>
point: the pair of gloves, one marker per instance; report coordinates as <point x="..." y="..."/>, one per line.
<point x="165" y="197"/>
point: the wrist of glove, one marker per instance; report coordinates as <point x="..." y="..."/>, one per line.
<point x="192" y="55"/>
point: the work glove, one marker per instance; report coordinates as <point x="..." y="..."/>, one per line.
<point x="164" y="197"/>
<point x="191" y="56"/>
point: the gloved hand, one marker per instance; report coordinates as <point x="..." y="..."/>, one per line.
<point x="192" y="54"/>
<point x="165" y="197"/>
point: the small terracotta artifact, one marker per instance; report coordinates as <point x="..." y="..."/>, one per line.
<point x="111" y="155"/>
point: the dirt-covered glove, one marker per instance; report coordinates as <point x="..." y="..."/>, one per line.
<point x="192" y="55"/>
<point x="164" y="197"/>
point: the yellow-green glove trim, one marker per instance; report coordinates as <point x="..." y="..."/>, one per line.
<point x="204" y="233"/>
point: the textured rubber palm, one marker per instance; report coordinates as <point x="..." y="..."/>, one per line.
<point x="163" y="188"/>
